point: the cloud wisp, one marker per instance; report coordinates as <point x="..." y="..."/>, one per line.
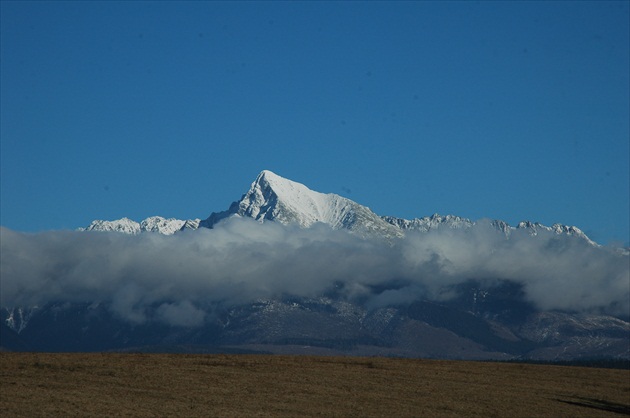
<point x="241" y="260"/>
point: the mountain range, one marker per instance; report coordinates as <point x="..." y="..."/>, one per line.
<point x="473" y="317"/>
<point x="274" y="198"/>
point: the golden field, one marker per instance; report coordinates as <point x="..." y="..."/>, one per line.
<point x="104" y="384"/>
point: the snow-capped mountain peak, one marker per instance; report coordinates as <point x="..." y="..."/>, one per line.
<point x="274" y="198"/>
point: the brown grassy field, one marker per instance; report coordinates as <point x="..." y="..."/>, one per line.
<point x="37" y="384"/>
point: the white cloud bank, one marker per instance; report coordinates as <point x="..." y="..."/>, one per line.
<point x="242" y="260"/>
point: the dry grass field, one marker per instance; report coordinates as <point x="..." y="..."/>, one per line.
<point x="37" y="384"/>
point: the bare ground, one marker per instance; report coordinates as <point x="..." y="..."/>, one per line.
<point x="37" y="384"/>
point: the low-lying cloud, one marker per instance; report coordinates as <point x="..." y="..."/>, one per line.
<point x="242" y="260"/>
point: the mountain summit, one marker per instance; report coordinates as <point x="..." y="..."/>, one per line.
<point x="274" y="198"/>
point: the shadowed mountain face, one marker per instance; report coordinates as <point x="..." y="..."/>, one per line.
<point x="288" y="269"/>
<point x="488" y="323"/>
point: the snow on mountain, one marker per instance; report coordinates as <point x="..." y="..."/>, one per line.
<point x="534" y="228"/>
<point x="429" y="223"/>
<point x="273" y="198"/>
<point x="161" y="225"/>
<point x="436" y="221"/>
<point x="124" y="225"/>
<point x="17" y="318"/>
<point x="152" y="224"/>
<point x="557" y="326"/>
<point x="190" y="224"/>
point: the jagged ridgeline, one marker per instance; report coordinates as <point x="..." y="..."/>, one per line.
<point x="274" y="198"/>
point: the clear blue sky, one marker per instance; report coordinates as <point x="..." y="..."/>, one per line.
<point x="504" y="110"/>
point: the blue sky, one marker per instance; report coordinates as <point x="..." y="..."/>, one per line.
<point x="504" y="110"/>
